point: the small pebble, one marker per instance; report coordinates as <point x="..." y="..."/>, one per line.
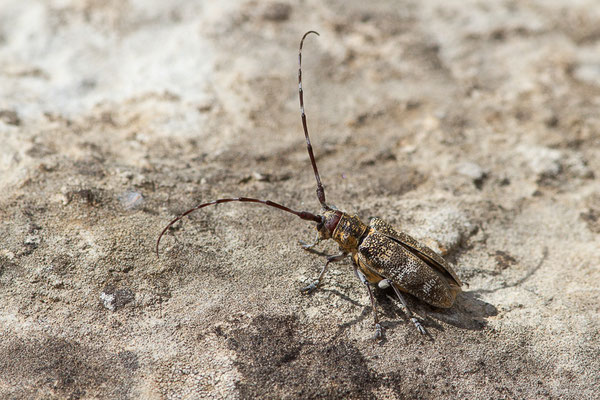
<point x="10" y="117"/>
<point x="473" y="171"/>
<point x="131" y="200"/>
<point x="276" y="12"/>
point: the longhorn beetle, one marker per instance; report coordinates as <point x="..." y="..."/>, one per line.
<point x="380" y="254"/>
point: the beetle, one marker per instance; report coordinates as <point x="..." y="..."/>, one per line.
<point x="380" y="254"/>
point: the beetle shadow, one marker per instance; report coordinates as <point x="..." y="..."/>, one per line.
<point x="366" y="313"/>
<point x="468" y="312"/>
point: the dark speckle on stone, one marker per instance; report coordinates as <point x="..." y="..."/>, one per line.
<point x="278" y="362"/>
<point x="10" y="117"/>
<point x="92" y="197"/>
<point x="504" y="260"/>
<point x="277" y="12"/>
<point x="592" y="219"/>
<point x="129" y="360"/>
<point x="36" y="368"/>
<point x="114" y="299"/>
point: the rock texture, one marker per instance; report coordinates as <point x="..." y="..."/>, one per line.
<point x="473" y="126"/>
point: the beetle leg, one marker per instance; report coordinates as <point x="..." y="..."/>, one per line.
<point x="384" y="284"/>
<point x="307" y="246"/>
<point x="409" y="313"/>
<point x="310" y="288"/>
<point x="363" y="279"/>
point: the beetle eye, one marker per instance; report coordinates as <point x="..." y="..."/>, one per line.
<point x="321" y="224"/>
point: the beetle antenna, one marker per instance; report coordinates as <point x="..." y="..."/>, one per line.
<point x="320" y="190"/>
<point x="305" y="215"/>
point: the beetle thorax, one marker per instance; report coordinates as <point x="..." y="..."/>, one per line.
<point x="348" y="232"/>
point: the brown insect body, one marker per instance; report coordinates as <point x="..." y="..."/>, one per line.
<point x="380" y="254"/>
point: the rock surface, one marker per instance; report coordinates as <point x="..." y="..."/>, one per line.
<point x="473" y="126"/>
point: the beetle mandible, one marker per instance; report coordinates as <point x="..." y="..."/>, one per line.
<point x="380" y="254"/>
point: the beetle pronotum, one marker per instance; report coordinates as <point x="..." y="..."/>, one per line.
<point x="380" y="254"/>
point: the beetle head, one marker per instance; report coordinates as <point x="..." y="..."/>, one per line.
<point x="329" y="221"/>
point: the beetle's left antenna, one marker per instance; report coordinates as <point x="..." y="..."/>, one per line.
<point x="320" y="190"/>
<point x="305" y="215"/>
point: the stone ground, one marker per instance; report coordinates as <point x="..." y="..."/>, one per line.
<point x="472" y="125"/>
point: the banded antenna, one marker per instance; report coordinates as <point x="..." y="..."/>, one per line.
<point x="305" y="215"/>
<point x="320" y="190"/>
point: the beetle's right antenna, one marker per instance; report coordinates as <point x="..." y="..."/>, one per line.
<point x="320" y="190"/>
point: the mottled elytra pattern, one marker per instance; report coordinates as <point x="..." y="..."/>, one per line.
<point x="389" y="259"/>
<point x="429" y="256"/>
